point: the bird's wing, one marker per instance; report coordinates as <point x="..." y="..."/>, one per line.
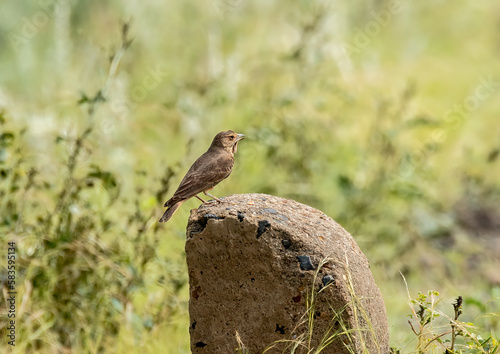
<point x="205" y="173"/>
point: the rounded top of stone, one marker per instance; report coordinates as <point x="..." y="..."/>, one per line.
<point x="301" y="222"/>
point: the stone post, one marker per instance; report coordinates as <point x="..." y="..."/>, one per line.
<point x="270" y="273"/>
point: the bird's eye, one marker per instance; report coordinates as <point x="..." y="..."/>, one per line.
<point x="231" y="137"/>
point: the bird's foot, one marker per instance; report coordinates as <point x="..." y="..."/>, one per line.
<point x="213" y="197"/>
<point x="203" y="201"/>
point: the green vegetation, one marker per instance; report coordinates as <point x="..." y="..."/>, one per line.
<point x="301" y="339"/>
<point x="382" y="114"/>
<point x="435" y="337"/>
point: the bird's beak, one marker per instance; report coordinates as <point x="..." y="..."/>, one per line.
<point x="240" y="137"/>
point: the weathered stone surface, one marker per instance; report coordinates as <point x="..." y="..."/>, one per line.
<point x="256" y="261"/>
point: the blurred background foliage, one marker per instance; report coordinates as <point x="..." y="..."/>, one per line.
<point x="382" y="114"/>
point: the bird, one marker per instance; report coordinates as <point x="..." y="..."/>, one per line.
<point x="206" y="172"/>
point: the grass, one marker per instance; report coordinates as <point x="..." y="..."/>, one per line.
<point x="398" y="141"/>
<point x="432" y="334"/>
<point x="302" y="338"/>
<point x="434" y="337"/>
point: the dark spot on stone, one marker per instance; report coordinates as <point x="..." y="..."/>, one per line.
<point x="202" y="223"/>
<point x="200" y="345"/>
<point x="252" y="280"/>
<point x="228" y="208"/>
<point x="193" y="325"/>
<point x="263" y="226"/>
<point x="263" y="199"/>
<point x="240" y="216"/>
<point x="305" y="263"/>
<point x="286" y="243"/>
<point x="197" y="227"/>
<point x="196" y="293"/>
<point x="280" y="329"/>
<point x="297" y="298"/>
<point x="328" y="279"/>
<point x="270" y="210"/>
<point x="213" y="216"/>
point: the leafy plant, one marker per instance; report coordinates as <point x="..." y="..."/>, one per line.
<point x="82" y="269"/>
<point x="435" y="336"/>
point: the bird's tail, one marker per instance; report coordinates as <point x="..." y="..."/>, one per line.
<point x="170" y="211"/>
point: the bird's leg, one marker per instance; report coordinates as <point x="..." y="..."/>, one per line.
<point x="203" y="201"/>
<point x="213" y="197"/>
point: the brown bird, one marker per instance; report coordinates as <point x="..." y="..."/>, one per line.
<point x="212" y="167"/>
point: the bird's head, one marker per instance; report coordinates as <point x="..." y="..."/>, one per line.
<point x="228" y="140"/>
